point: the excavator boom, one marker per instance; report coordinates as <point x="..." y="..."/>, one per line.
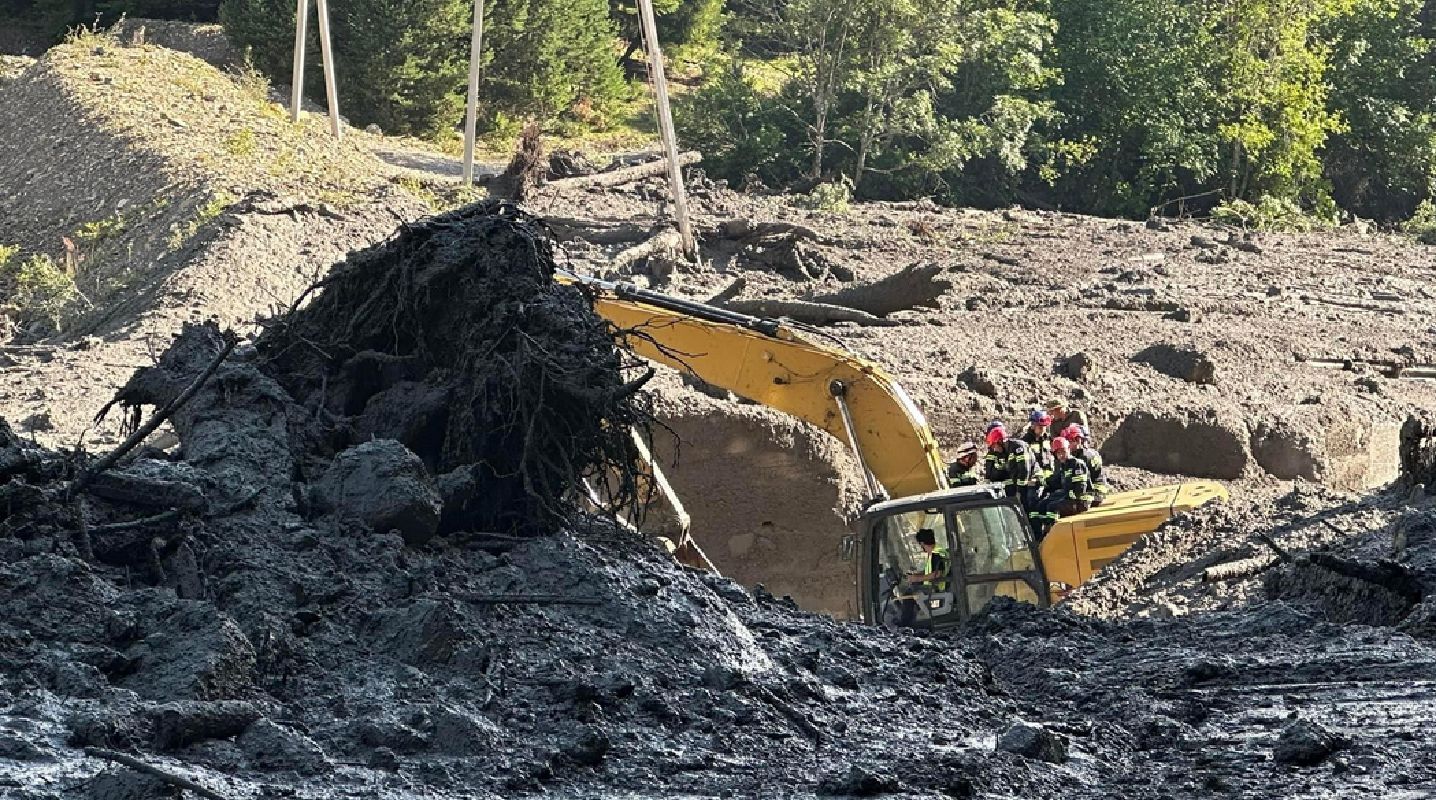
<point x="770" y="362"/>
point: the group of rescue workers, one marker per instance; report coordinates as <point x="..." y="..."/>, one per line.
<point x="1050" y="468"/>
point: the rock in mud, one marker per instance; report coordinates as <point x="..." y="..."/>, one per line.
<point x="1183" y="363"/>
<point x="1079" y="367"/>
<point x="271" y="746"/>
<point x="126" y="784"/>
<point x="1033" y="741"/>
<point x="1304" y="743"/>
<point x="590" y="748"/>
<point x="191" y="652"/>
<point x="383" y="485"/>
<point x="857" y="781"/>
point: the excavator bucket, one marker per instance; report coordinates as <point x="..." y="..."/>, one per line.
<point x="1079" y="546"/>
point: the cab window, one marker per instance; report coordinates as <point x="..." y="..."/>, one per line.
<point x="994" y="545"/>
<point x="898" y="550"/>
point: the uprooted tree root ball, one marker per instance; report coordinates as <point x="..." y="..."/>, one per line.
<point x="453" y="339"/>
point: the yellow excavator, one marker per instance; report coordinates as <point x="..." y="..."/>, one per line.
<point x="785" y="367"/>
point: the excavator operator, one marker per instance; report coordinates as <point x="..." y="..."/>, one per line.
<point x="931" y="580"/>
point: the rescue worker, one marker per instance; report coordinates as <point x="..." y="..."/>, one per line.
<point x="1078" y="436"/>
<point x="1038" y="437"/>
<point x="963" y="471"/>
<point x="931" y="580"/>
<point x="1068" y="489"/>
<point x="1062" y="416"/>
<point x="1010" y="463"/>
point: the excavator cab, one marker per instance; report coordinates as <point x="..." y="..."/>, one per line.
<point x="989" y="550"/>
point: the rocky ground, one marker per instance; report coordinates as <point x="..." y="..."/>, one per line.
<point x="261" y="639"/>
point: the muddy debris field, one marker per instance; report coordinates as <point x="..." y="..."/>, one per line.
<point x="361" y="574"/>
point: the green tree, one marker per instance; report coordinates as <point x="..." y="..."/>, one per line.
<point x="1138" y="105"/>
<point x="682" y="24"/>
<point x="1383" y="77"/>
<point x="548" y="55"/>
<point x="942" y="85"/>
<point x="1275" y="116"/>
<point x="403" y="65"/>
<point x="405" y="73"/>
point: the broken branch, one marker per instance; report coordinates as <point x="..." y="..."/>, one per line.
<point x="913" y="287"/>
<point x="141" y="433"/>
<point x="140" y="766"/>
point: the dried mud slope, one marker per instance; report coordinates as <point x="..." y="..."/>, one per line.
<point x="167" y="192"/>
<point x="1209" y="352"/>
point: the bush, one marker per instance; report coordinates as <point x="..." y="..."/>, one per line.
<point x="43" y="291"/>
<point x="1274" y="214"/>
<point x="835" y="196"/>
<point x="1422" y="224"/>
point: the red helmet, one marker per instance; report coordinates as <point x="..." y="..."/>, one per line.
<point x="1072" y="432"/>
<point x="1060" y="445"/>
<point x="996" y="436"/>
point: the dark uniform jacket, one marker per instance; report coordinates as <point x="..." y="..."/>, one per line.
<point x="1093" y="460"/>
<point x="1012" y="465"/>
<point x="959" y="476"/>
<point x="1071" y="481"/>
<point x="1041" y="447"/>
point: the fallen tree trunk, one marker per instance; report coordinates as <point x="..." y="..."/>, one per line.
<point x="748" y="229"/>
<point x="805" y="311"/>
<point x="595" y="231"/>
<point x="913" y="287"/>
<point x="618" y="177"/>
<point x="667" y="244"/>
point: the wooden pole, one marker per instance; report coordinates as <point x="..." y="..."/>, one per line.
<point x="301" y="33"/>
<point x="665" y="126"/>
<point x="471" y="118"/>
<point x="331" y="91"/>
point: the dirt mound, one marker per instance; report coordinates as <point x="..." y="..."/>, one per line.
<point x="770" y="497"/>
<point x="453" y="339"/>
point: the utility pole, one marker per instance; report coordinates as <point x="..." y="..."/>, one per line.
<point x="331" y="92"/>
<point x="301" y="36"/>
<point x="665" y="126"/>
<point x="301" y="39"/>
<point x="471" y="117"/>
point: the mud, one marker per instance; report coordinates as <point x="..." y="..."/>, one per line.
<point x="264" y="644"/>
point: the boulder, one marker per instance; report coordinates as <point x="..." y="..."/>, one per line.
<point x="1033" y="741"/>
<point x="383" y="485"/>
<point x="1304" y="743"/>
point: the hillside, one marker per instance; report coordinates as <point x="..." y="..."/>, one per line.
<point x="154" y="189"/>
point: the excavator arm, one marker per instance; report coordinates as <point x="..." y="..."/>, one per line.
<point x="772" y="363"/>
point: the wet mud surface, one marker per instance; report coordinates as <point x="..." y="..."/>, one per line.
<point x="283" y="606"/>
